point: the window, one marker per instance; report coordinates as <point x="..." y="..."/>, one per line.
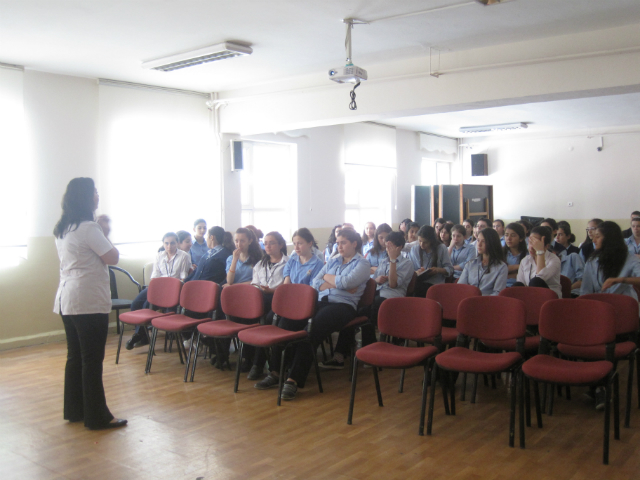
<point x="268" y="185"/>
<point x="435" y="172"/>
<point x="368" y="194"/>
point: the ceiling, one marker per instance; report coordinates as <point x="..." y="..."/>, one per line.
<point x="111" y="38"/>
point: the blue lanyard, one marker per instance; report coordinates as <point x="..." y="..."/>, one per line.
<point x="173" y="260"/>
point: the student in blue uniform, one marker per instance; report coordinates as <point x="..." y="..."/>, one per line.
<point x="587" y="247"/>
<point x="633" y="241"/>
<point x="438" y="224"/>
<point x="553" y="225"/>
<point x="469" y="227"/>
<point x="498" y="226"/>
<point x="378" y="252"/>
<point x="445" y="234"/>
<point x="430" y="259"/>
<point x="629" y="231"/>
<point x="212" y="266"/>
<point x="199" y="246"/>
<point x="514" y="251"/>
<point x="565" y="238"/>
<point x="245" y="256"/>
<point x="368" y="236"/>
<point x="572" y="265"/>
<point x="460" y="251"/>
<point x="331" y="242"/>
<point x="487" y="271"/>
<point x="303" y="265"/>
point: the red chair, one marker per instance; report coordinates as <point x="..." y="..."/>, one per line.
<point x="242" y="302"/>
<point x="585" y="323"/>
<point x="492" y="318"/>
<point x="411" y="319"/>
<point x="199" y="297"/>
<point x="626" y="309"/>
<point x="163" y="293"/>
<point x="295" y="302"/>
<point x="565" y="285"/>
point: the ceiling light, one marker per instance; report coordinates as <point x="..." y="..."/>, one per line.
<point x="198" y="57"/>
<point x="491" y="2"/>
<point x="494" y="128"/>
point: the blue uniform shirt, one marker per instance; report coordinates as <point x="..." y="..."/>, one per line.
<point x="632" y="246"/>
<point x="244" y="271"/>
<point x="299" y="273"/>
<point x="197" y="251"/>
<point x="490" y="280"/>
<point x="354" y="274"/>
<point x="404" y="271"/>
<point x="441" y="260"/>
<point x="592" y="279"/>
<point x="376" y="258"/>
<point x="460" y="256"/>
<point x="512" y="260"/>
<point x="212" y="266"/>
<point x="366" y="247"/>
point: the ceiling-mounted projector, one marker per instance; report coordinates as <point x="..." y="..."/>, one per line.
<point x="348" y="74"/>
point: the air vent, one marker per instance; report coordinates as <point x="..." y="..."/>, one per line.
<point x="212" y="53"/>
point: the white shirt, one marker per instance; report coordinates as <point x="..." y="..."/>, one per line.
<point x="178" y="267"/>
<point x="269" y="276"/>
<point x="84" y="278"/>
<point x="550" y="273"/>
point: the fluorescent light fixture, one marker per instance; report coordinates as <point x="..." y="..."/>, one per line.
<point x="197" y="57"/>
<point x="494" y="128"/>
<point x="491" y="2"/>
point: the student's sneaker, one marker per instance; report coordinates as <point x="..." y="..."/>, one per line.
<point x="289" y="390"/>
<point x="143" y="341"/>
<point x="270" y="381"/>
<point x="332" y="364"/>
<point x="132" y="341"/>
<point x="255" y="373"/>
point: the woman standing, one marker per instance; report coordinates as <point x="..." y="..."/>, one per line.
<point x="487" y="271"/>
<point x="84" y="302"/>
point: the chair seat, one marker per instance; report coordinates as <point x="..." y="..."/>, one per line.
<point x="531" y="344"/>
<point x="141" y="317"/>
<point x="356" y="322"/>
<point x="462" y="359"/>
<point x="177" y="323"/>
<point x="546" y="368"/>
<point x="269" y="335"/>
<point x="120" y="303"/>
<point x="223" y="328"/>
<point x="382" y="354"/>
<point x="622" y="350"/>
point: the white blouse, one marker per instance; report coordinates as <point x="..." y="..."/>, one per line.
<point x="178" y="267"/>
<point x="269" y="276"/>
<point x="550" y="273"/>
<point x="84" y="278"/>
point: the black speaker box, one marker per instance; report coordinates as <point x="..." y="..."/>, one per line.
<point x="479" y="165"/>
<point x="236" y="156"/>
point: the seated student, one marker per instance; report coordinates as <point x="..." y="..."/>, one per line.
<point x="184" y="241"/>
<point x="469" y="227"/>
<point x="487" y="271"/>
<point x="565" y="238"/>
<point x="199" y="247"/>
<point x="633" y="241"/>
<point x="527" y="230"/>
<point x="340" y="284"/>
<point x="245" y="256"/>
<point x="479" y="226"/>
<point x="404" y="226"/>
<point x="258" y="234"/>
<point x="515" y="250"/>
<point x="445" y="234"/>
<point x="170" y="262"/>
<point x="430" y="260"/>
<point x="334" y="252"/>
<point x="572" y="265"/>
<point x="460" y="251"/>
<point x="587" y="247"/>
<point x="541" y="268"/>
<point x="438" y="224"/>
<point x="553" y="225"/>
<point x="498" y="226"/>
<point x="629" y="231"/>
<point x="378" y="252"/>
<point x="368" y="235"/>
<point x="411" y="238"/>
<point x="611" y="267"/>
<point x="212" y="265"/>
<point x="331" y="242"/>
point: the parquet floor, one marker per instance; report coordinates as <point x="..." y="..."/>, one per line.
<point x="202" y="430"/>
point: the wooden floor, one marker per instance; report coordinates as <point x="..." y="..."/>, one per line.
<point x="202" y="430"/>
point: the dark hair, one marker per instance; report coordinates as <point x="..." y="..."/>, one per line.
<point x="183" y="235"/>
<point x="566" y="228"/>
<point x="227" y="241"/>
<point x="200" y="220"/>
<point x="597" y="221"/>
<point x="382" y="228"/>
<point x="440" y="220"/>
<point x="499" y="221"/>
<point x="493" y="246"/>
<point x="255" y="252"/>
<point x="256" y="231"/>
<point x="283" y="247"/>
<point x="522" y="244"/>
<point x="485" y="220"/>
<point x="397" y="238"/>
<point x="613" y="254"/>
<point x="332" y="237"/>
<point x="306" y="234"/>
<point x="414" y="225"/>
<point x="551" y="222"/>
<point x="351" y="235"/>
<point x="460" y="229"/>
<point x="468" y="220"/>
<point x="446" y="227"/>
<point x="171" y="234"/>
<point x="77" y="205"/>
<point x="544" y="232"/>
<point x="635" y="213"/>
<point x="365" y="237"/>
<point x="429" y="234"/>
<point x="217" y="233"/>
<point x="527" y="227"/>
<point x="406" y="221"/>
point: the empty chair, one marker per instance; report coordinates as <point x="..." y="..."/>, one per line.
<point x="198" y="300"/>
<point x="584" y="323"/>
<point x="118" y="303"/>
<point x="411" y="319"/>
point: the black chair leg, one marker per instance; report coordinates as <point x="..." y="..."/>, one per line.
<point x="195" y="358"/>
<point x="616" y="407"/>
<point x="119" y="346"/>
<point x="452" y="386"/>
<point x="520" y="383"/>
<point x="377" y="382"/>
<point x="544" y="398"/>
<point x="527" y="399"/>
<point x="425" y="383"/>
<point x="434" y="373"/>
<point x="353" y="391"/>
<point x="627" y="415"/>
<point x="154" y="337"/>
<point x="536" y="399"/>
<point x="607" y="423"/>
<point x="315" y="363"/>
<point x="186" y="369"/>
<point x="475" y="388"/>
<point x="118" y="322"/>
<point x="179" y="346"/>
<point x="464" y="387"/>
<point x="281" y="377"/>
<point x="238" y="367"/>
<point x="552" y="394"/>
<point x="493" y="382"/>
<point x="444" y="380"/>
<point x="324" y="352"/>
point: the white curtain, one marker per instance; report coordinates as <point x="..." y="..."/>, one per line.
<point x="439" y="148"/>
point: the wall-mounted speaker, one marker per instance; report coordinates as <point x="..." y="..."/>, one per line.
<point x="237" y="162"/>
<point x="479" y="165"/>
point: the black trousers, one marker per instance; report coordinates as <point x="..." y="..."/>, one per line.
<point x="534" y="282"/>
<point x="83" y="390"/>
<point x="368" y="332"/>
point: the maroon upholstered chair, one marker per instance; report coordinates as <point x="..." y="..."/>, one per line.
<point x="408" y="318"/>
<point x="585" y="323"/>
<point x="295" y="302"/>
<point x="163" y="293"/>
<point x="626" y="309"/>
<point x="198" y="298"/>
<point x="565" y="285"/>
<point x="240" y="301"/>
<point x="495" y="319"/>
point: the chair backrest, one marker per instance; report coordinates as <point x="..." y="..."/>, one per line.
<point x="449" y="295"/>
<point x="164" y="292"/>
<point x="410" y="318"/>
<point x="565" y="285"/>
<point x="368" y="295"/>
<point x="147" y="270"/>
<point x="492" y="318"/>
<point x="626" y="309"/>
<point x="412" y="285"/>
<point x="584" y="323"/>
<point x="200" y="296"/>
<point x="295" y="301"/>
<point x="242" y="300"/>
<point x="533" y="298"/>
<point x="113" y="285"/>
